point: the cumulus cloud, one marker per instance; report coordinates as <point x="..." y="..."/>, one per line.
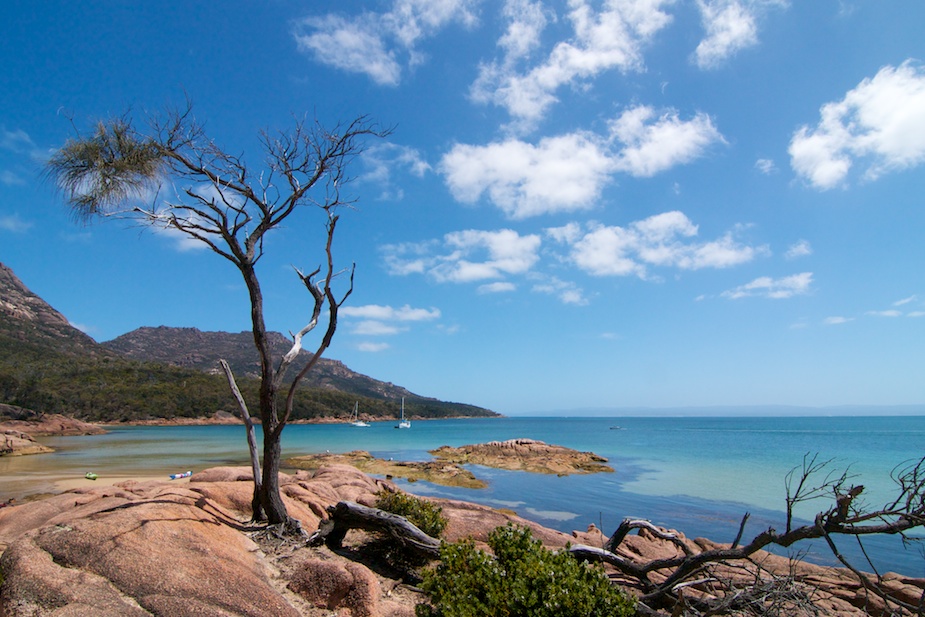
<point x="382" y="160"/>
<point x="385" y="320"/>
<point x="568" y="172"/>
<point x="880" y="123"/>
<point x="731" y="26"/>
<point x="559" y="174"/>
<point x="566" y="291"/>
<point x="836" y="320"/>
<point x="526" y="22"/>
<point x="465" y="256"/>
<point x="653" y="143"/>
<point x="662" y="240"/>
<point x="608" y="38"/>
<point x="479" y="255"/>
<point x="494" y="259"/>
<point x="767" y="287"/>
<point x="388" y="313"/>
<point x="799" y="249"/>
<point x="379" y="45"/>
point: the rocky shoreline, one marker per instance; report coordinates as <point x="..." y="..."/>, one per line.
<point x="17" y="436"/>
<point x="142" y="548"/>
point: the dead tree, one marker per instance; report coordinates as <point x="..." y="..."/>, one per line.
<point x="845" y="517"/>
<point x="173" y="176"/>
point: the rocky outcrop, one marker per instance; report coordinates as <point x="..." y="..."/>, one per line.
<point x="155" y="548"/>
<point x="16" y="443"/>
<point x="525" y="455"/>
<point x="17" y="437"/>
<point x="43" y="425"/>
<point x="437" y="472"/>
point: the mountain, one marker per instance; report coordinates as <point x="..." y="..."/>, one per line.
<point x="193" y="348"/>
<point x="155" y="374"/>
<point x="26" y="318"/>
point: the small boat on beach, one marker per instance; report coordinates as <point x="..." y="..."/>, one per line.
<point x="356" y="416"/>
<point x="403" y="423"/>
<point x="177" y="476"/>
<point x="90" y="475"/>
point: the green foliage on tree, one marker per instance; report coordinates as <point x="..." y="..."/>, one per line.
<point x="425" y="515"/>
<point x="523" y="578"/>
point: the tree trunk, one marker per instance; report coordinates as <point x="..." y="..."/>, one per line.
<point x="272" y="501"/>
<point x="346" y="515"/>
<point x="256" y="502"/>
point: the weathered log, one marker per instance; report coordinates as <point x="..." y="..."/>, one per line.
<point x="347" y="515"/>
<point x="629" y="524"/>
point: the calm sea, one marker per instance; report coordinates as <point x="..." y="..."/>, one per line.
<point x="697" y="475"/>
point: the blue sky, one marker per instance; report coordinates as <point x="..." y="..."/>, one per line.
<point x="584" y="204"/>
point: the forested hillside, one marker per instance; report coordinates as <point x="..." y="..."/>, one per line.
<point x="49" y="366"/>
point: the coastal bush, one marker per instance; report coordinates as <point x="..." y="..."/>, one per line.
<point x="523" y="578"/>
<point x="425" y="515"/>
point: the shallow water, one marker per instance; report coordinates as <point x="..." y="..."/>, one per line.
<point x="698" y="475"/>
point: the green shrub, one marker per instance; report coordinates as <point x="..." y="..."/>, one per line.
<point x="425" y="515"/>
<point x="523" y="579"/>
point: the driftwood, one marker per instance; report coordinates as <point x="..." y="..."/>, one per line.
<point x="347" y="515"/>
<point x="843" y="518"/>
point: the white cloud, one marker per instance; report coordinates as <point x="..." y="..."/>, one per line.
<point x="663" y="240"/>
<point x="765" y="166"/>
<point x="568" y="172"/>
<point x="566" y="291"/>
<point x="610" y="38"/>
<point x="375" y="43"/>
<point x="389" y="313"/>
<point x="801" y="249"/>
<point x="14" y="224"/>
<point x="888" y="313"/>
<point x="466" y="256"/>
<point x="916" y="314"/>
<point x="559" y="174"/>
<point x="836" y="320"/>
<point x="766" y="287"/>
<point x="905" y="301"/>
<point x="497" y="287"/>
<point x="526" y="21"/>
<point x="505" y="250"/>
<point x="380" y="161"/>
<point x="881" y="123"/>
<point x="376" y="328"/>
<point x="730" y="27"/>
<point x="373" y="347"/>
<point x="654" y="146"/>
<point x="384" y="320"/>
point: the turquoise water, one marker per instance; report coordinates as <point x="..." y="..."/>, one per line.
<point x="698" y="475"/>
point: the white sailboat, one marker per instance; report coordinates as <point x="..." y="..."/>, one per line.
<point x="356" y="416"/>
<point x="403" y="423"/>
